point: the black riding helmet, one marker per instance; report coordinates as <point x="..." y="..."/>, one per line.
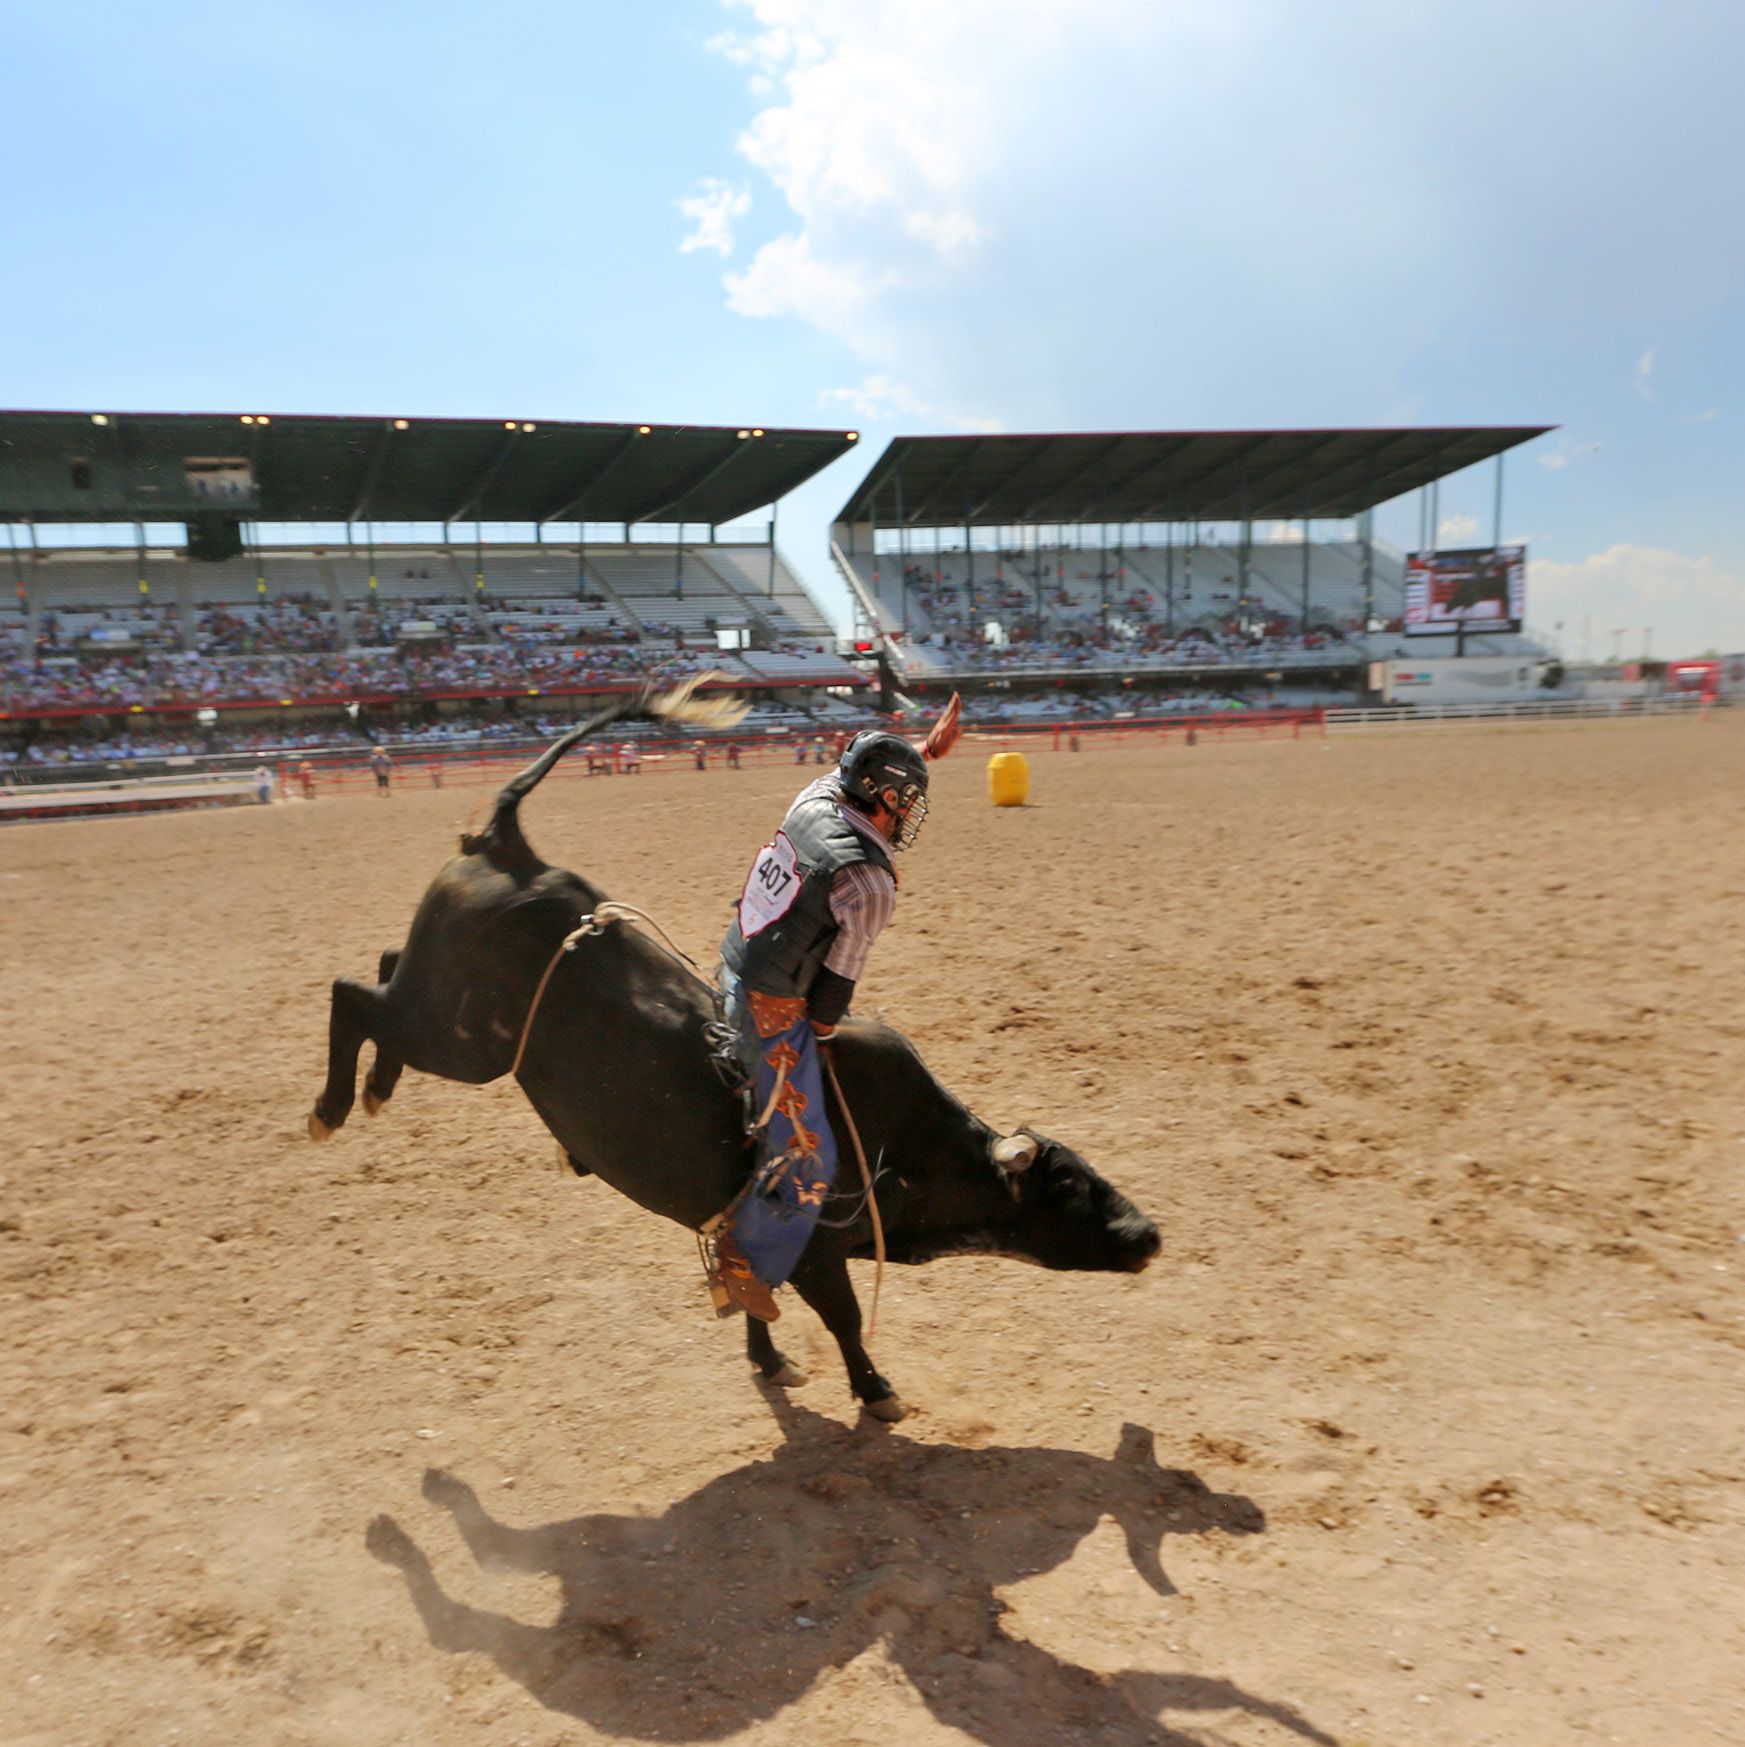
<point x="884" y="769"/>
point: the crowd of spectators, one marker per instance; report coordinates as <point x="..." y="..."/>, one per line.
<point x="109" y="681"/>
<point x="286" y="624"/>
<point x="1129" y="642"/>
<point x="379" y="624"/>
<point x="41" y="749"/>
<point x="73" y="629"/>
<point x="1099" y="624"/>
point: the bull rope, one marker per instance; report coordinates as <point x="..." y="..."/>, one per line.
<point x="866" y="1177"/>
<point x="614" y="911"/>
<point x="593" y="923"/>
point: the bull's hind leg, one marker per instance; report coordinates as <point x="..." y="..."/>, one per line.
<point x="356" y="1014"/>
<point x="761" y="1350"/>
<point x="823" y="1282"/>
<point x="384" y="1074"/>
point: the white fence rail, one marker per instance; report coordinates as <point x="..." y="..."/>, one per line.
<point x="130" y="795"/>
<point x="1551" y="710"/>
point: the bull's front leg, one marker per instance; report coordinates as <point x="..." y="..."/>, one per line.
<point x="355" y="1017"/>
<point x="822" y="1281"/>
<point x="774" y="1364"/>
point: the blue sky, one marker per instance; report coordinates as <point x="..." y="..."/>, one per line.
<point x="919" y="215"/>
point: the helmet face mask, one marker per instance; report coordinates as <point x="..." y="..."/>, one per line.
<point x="884" y="770"/>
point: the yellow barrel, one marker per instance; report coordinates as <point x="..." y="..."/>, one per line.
<point x="1008" y="779"/>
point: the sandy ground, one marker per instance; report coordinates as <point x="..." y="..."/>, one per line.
<point x="1428" y="1427"/>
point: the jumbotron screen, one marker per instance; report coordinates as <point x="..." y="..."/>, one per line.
<point x="1483" y="589"/>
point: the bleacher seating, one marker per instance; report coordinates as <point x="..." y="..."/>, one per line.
<point x="1140" y="608"/>
<point x="401" y="573"/>
<point x="319" y="630"/>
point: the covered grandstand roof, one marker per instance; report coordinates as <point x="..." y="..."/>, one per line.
<point x="114" y="467"/>
<point x="1155" y="476"/>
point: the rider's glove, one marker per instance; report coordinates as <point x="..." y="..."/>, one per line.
<point x="827" y="1000"/>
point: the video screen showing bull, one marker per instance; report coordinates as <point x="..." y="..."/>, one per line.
<point x="1478" y="589"/>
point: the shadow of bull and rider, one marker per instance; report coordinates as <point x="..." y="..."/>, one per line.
<point x="726" y="1608"/>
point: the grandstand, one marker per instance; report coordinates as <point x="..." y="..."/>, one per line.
<point x="227" y="618"/>
<point x="1153" y="553"/>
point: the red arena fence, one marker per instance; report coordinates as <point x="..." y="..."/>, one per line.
<point x="604" y="756"/>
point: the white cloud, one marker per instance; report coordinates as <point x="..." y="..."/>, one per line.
<point x="786" y="278"/>
<point x="946" y="231"/>
<point x="884" y="132"/>
<point x="1555" y="457"/>
<point x="1706" y="417"/>
<point x="1457" y="525"/>
<point x="881" y="401"/>
<point x="713" y="212"/>
<point x="1692" y="603"/>
<point x="1644" y="378"/>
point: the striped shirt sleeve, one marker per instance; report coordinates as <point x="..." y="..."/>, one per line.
<point x="863" y="899"/>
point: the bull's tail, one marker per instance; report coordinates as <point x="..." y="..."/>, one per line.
<point x="682" y="704"/>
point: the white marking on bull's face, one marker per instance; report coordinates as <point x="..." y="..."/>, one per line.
<point x="1016" y="1153"/>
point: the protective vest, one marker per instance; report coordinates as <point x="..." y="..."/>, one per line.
<point x="782" y="929"/>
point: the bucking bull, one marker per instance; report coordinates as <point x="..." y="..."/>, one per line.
<point x="617" y="1063"/>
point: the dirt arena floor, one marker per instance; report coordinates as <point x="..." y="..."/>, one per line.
<point x="1428" y="1426"/>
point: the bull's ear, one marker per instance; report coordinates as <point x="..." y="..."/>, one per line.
<point x="1016" y="1153"/>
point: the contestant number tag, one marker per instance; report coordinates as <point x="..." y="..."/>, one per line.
<point x="771" y="887"/>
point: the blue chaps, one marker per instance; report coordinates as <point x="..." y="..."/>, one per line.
<point x="796" y="1156"/>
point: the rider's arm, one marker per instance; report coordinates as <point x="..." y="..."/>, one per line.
<point x="862" y="898"/>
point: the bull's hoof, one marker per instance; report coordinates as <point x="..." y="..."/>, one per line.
<point x="372" y="1104"/>
<point x="887" y="1412"/>
<point x="787" y="1375"/>
<point x="318" y="1130"/>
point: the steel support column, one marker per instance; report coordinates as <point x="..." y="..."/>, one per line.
<point x="1308" y="504"/>
<point x="1366" y="534"/>
<point x="902" y="551"/>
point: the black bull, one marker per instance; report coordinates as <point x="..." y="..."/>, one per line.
<point x="617" y="1066"/>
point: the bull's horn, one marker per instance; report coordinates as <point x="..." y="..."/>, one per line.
<point x="1017" y="1152"/>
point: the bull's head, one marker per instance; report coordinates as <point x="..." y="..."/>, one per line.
<point x="1066" y="1216"/>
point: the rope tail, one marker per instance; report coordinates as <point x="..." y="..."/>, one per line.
<point x="866" y="1178"/>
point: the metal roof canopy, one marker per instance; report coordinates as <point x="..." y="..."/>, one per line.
<point x="1163" y="476"/>
<point x="130" y="467"/>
